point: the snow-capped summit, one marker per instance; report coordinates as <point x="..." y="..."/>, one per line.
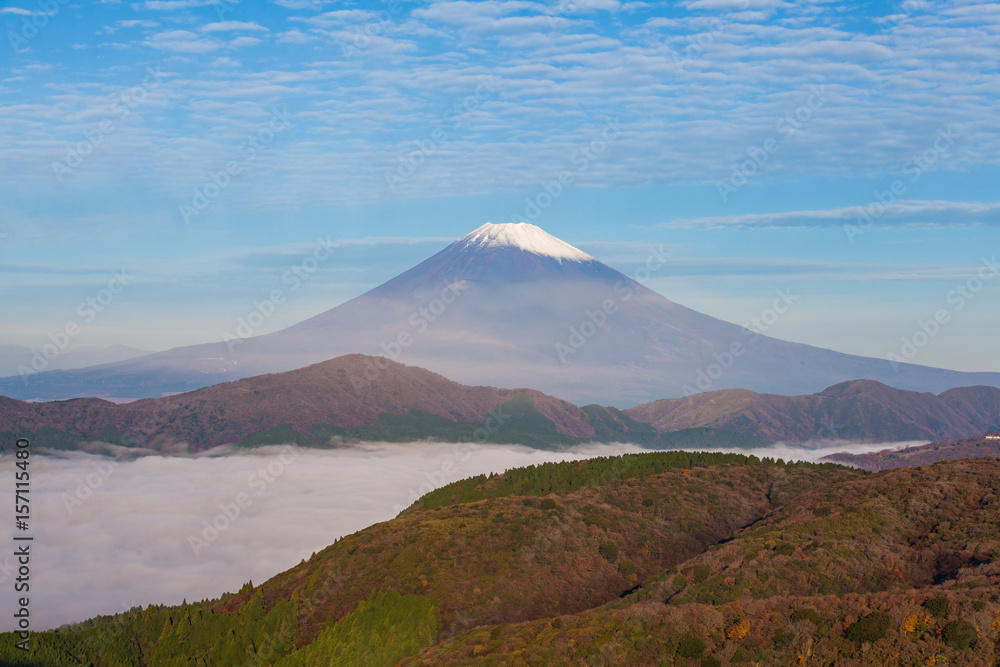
<point x="525" y="236"/>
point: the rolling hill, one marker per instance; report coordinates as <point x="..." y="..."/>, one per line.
<point x="323" y="404"/>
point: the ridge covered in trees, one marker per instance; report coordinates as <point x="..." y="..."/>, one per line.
<point x="660" y="559"/>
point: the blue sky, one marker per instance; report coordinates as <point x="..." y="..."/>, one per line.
<point x="205" y="148"/>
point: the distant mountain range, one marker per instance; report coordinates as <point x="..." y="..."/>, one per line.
<point x="14" y="358"/>
<point x="509" y="305"/>
<point x="335" y="401"/>
<point x="859" y="411"/>
<point x="323" y="404"/>
<point x="667" y="558"/>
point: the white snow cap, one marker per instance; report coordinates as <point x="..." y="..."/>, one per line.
<point x="525" y="236"/>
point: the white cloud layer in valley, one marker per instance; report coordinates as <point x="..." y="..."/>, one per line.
<point x="109" y="535"/>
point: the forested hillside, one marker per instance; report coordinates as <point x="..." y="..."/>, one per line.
<point x="663" y="558"/>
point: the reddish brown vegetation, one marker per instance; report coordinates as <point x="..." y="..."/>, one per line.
<point x="861" y="410"/>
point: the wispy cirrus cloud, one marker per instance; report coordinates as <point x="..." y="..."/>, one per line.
<point x="800" y="272"/>
<point x="184" y="41"/>
<point x="131" y="23"/>
<point x="14" y="267"/>
<point x="295" y="36"/>
<point x="911" y="212"/>
<point x="229" y="26"/>
<point x="173" y="5"/>
<point x="302" y="4"/>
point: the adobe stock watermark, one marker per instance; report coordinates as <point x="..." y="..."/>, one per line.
<point x="561" y="7"/>
<point x="915" y="167"/>
<point x="957" y="298"/>
<point x="703" y="40"/>
<point x="462" y="451"/>
<point x="418" y="322"/>
<point x="272" y="647"/>
<point x="706" y="378"/>
<point x="581" y="160"/>
<point x="262" y="311"/>
<point x="268" y="649"/>
<point x="451" y="120"/>
<point x="595" y="320"/>
<point x="545" y="540"/>
<point x="216" y="183"/>
<point x="121" y="108"/>
<point x="757" y="157"/>
<point x="107" y="633"/>
<point x="901" y="12"/>
<point x="86" y="485"/>
<point x="258" y="481"/>
<point x="88" y="310"/>
<point x="364" y="35"/>
<point x="32" y="22"/>
<point x="141" y="434"/>
<point x="223" y="7"/>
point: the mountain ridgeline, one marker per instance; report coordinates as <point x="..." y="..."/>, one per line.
<point x="860" y="411"/>
<point x="671" y="558"/>
<point x="356" y="397"/>
<point x="346" y="399"/>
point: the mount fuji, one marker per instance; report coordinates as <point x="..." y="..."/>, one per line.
<point x="509" y="305"/>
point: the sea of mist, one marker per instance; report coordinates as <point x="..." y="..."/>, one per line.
<point x="112" y="534"/>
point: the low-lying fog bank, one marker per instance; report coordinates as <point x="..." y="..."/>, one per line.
<point x="112" y="534"/>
